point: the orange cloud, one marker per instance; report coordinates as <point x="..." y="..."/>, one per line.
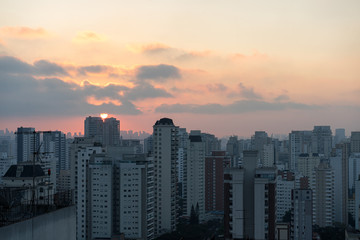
<point x="88" y="36"/>
<point x="24" y="32"/>
<point x="152" y="47"/>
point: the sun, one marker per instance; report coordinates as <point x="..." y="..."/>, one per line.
<point x="104" y="115"/>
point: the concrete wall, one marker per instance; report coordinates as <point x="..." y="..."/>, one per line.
<point x="56" y="225"/>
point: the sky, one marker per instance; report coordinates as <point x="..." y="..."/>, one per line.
<point x="223" y="67"/>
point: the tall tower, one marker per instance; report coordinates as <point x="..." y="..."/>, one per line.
<point x="322" y="184"/>
<point x="106" y="132"/>
<point x="93" y="128"/>
<point x="196" y="174"/>
<point x="27" y="143"/>
<point x="55" y="142"/>
<point x="322" y="140"/>
<point x="165" y="152"/>
<point x="111" y="133"/>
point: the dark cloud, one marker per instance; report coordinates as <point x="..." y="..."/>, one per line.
<point x="44" y="67"/>
<point x="159" y="73"/>
<point x="24" y="95"/>
<point x="144" y="91"/>
<point x="248" y="92"/>
<point x="237" y="107"/>
<point x="11" y="65"/>
<point x="92" y="69"/>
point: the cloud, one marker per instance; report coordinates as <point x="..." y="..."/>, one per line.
<point x="158" y="73"/>
<point x="236" y="107"/>
<point x="152" y="48"/>
<point x="24" y="32"/>
<point x="245" y="92"/>
<point x="92" y="69"/>
<point x="11" y="65"/>
<point x="21" y="94"/>
<point x="88" y="36"/>
<point x="282" y="97"/>
<point x="217" y="87"/>
<point x="44" y="67"/>
<point x="145" y="91"/>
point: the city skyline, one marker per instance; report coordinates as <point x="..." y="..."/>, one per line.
<point x="221" y="68"/>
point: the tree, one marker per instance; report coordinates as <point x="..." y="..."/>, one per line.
<point x="287" y="217"/>
<point x="194" y="218"/>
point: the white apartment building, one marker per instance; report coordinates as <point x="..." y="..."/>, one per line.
<point x="196" y="174"/>
<point x="82" y="191"/>
<point x="283" y="196"/>
<point x="322" y="185"/>
<point x="100" y="201"/>
<point x="135" y="222"/>
<point x="165" y="153"/>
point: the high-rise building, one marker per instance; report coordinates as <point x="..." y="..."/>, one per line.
<point x="55" y="142"/>
<point x="214" y="180"/>
<point x="355" y="142"/>
<point x="285" y="184"/>
<point x="322" y="185"/>
<point x="301" y="220"/>
<point x="258" y="140"/>
<point x="28" y="142"/>
<point x="111" y="135"/>
<point x="265" y="203"/>
<point x="339" y="163"/>
<point x="250" y="200"/>
<point x="307" y="163"/>
<point x="165" y="136"/>
<point x="322" y="140"/>
<point x="196" y="174"/>
<point x="106" y="132"/>
<point x="100" y="203"/>
<point x="135" y="191"/>
<point x="339" y="135"/>
<point x="299" y="142"/>
<point x="268" y="155"/>
<point x="94" y="128"/>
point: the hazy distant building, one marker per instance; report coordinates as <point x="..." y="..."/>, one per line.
<point x="299" y="142"/>
<point x="55" y="142"/>
<point x="258" y="140"/>
<point x="339" y="135"/>
<point x="355" y="142"/>
<point x="94" y="128"/>
<point x="111" y="134"/>
<point x="28" y="142"/>
<point x="301" y="220"/>
<point x="307" y="163"/>
<point x="165" y="137"/>
<point x="322" y="140"/>
<point x="268" y="155"/>
<point x="212" y="143"/>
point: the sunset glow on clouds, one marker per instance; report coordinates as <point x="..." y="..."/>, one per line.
<point x="235" y="67"/>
